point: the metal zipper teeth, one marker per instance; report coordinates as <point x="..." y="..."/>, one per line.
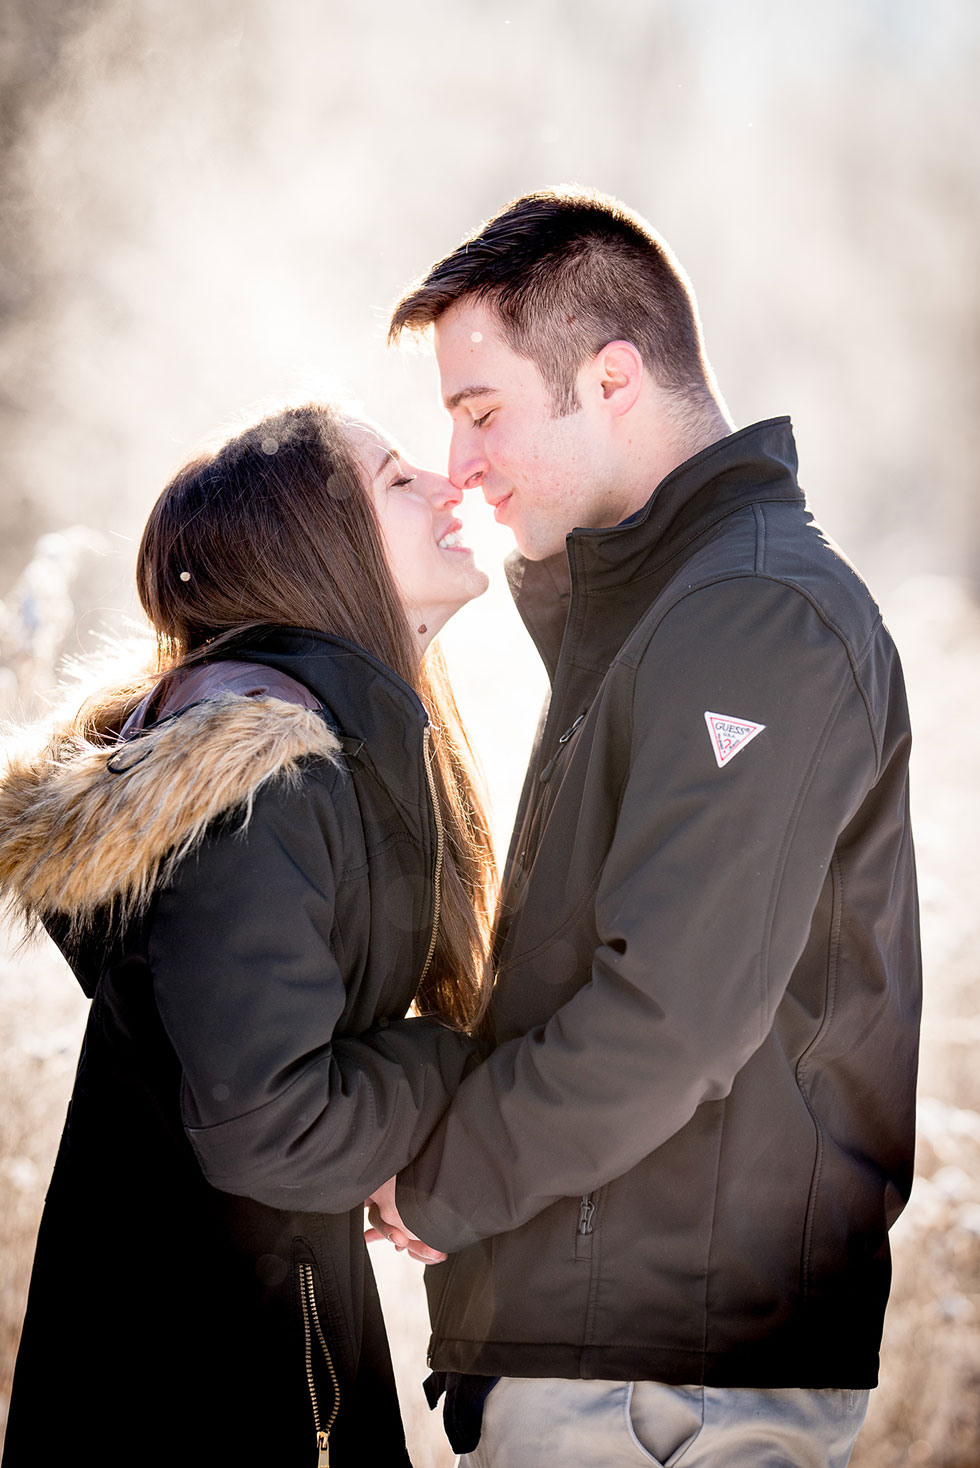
<point x="437" y="877"/>
<point x="308" y="1298"/>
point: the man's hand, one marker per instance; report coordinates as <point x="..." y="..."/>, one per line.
<point x="386" y="1223"/>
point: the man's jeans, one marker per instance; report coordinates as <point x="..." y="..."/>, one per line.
<point x="556" y="1423"/>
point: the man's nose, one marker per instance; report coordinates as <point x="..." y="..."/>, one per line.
<point x="467" y="463"/>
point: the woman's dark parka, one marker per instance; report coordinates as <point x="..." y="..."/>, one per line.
<point x="245" y="887"/>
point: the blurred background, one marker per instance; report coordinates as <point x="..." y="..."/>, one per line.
<point x="210" y="207"/>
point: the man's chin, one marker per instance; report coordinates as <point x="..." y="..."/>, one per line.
<point x="537" y="543"/>
<point x="535" y="551"/>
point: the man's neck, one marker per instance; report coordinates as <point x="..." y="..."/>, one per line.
<point x="655" y="455"/>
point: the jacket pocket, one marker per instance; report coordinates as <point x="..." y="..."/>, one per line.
<point x="320" y="1369"/>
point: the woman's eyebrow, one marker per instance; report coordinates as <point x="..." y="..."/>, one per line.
<point x="389" y="455"/>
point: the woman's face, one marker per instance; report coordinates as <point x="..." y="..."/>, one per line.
<point x="434" y="572"/>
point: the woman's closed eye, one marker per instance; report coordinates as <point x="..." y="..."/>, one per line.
<point x="403" y="481"/>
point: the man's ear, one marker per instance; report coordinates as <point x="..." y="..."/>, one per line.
<point x="618" y="371"/>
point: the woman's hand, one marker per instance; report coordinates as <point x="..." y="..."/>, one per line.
<point x="386" y="1223"/>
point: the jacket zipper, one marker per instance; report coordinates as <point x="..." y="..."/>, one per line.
<point x="585" y="1226"/>
<point x="563" y="739"/>
<point x="437" y="876"/>
<point x="526" y="854"/>
<point x="311" y="1324"/>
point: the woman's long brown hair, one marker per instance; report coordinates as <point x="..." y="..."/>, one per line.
<point x="277" y="528"/>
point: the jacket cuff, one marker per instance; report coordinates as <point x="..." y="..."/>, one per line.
<point x="436" y="1224"/>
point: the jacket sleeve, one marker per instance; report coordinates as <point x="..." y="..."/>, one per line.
<point x="243" y="949"/>
<point x="702" y="907"/>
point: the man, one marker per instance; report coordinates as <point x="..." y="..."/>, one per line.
<point x="666" y="1194"/>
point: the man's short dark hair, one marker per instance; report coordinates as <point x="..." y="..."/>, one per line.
<point x="566" y="271"/>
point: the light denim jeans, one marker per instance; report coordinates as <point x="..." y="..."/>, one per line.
<point x="557" y="1423"/>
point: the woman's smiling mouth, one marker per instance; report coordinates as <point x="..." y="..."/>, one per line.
<point x="452" y="540"/>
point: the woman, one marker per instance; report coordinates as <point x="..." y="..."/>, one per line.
<point x="255" y="861"/>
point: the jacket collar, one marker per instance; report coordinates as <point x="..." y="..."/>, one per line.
<point x="190" y="686"/>
<point x="363" y="699"/>
<point x="614" y="571"/>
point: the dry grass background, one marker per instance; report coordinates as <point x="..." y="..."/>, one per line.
<point x="174" y="251"/>
<point x="927" y="1409"/>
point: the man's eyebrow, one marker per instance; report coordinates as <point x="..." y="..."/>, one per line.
<point x="466" y="392"/>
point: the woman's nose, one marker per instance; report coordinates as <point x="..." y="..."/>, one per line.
<point x="439" y="491"/>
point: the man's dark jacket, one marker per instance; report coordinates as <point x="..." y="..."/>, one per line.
<point x="682" y="1159"/>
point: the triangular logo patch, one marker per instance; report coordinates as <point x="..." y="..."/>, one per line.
<point x="729" y="735"/>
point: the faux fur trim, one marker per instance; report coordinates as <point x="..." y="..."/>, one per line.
<point x="86" y="826"/>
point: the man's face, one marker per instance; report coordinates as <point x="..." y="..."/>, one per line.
<point x="543" y="475"/>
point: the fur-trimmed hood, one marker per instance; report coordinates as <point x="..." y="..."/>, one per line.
<point x="85" y="826"/>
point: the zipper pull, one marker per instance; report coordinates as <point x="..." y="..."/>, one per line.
<point x="549" y="768"/>
<point x="323" y="1450"/>
<point x="586" y="1213"/>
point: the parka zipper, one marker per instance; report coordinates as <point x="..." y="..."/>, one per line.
<point x="440" y="839"/>
<point x="311" y="1325"/>
<point x="585" y="1227"/>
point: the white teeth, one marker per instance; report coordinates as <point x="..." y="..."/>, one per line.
<point x="450" y="541"/>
